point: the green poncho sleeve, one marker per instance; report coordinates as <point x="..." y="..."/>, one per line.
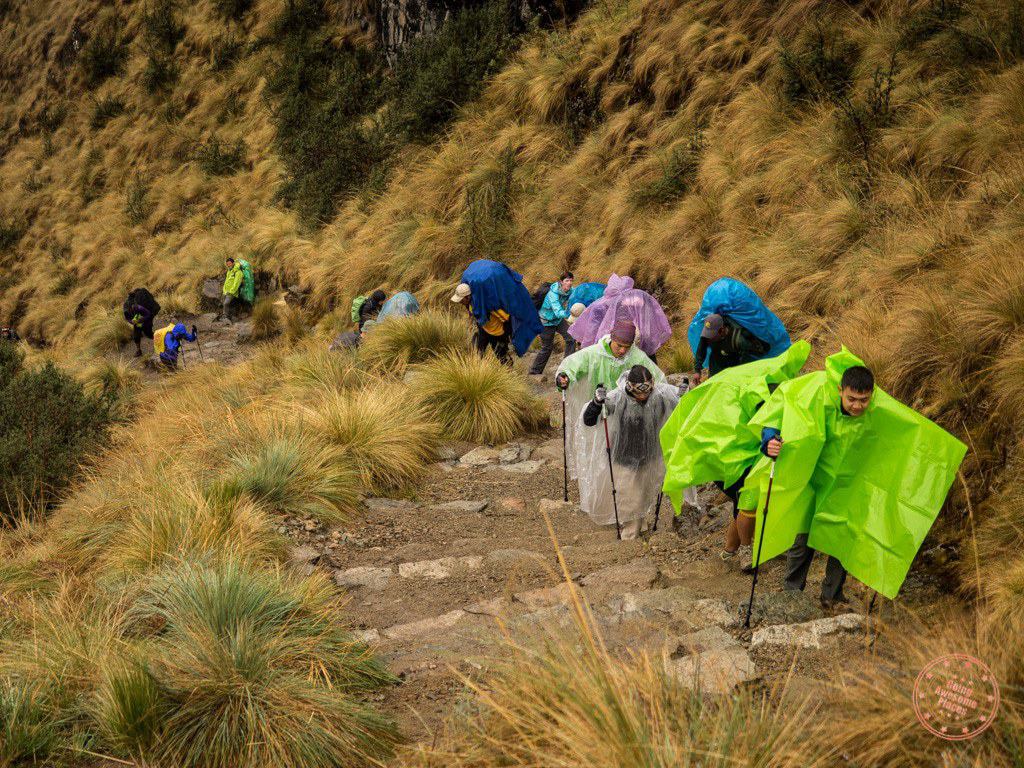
<point x="866" y="490"/>
<point x="707" y="437"/>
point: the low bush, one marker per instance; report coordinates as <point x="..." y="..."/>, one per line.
<point x="104" y="110"/>
<point x="476" y="398"/>
<point x="48" y="426"/>
<point x="219" y="159"/>
<point x="116" y="381"/>
<point x="232" y="9"/>
<point x="10" y="234"/>
<point x="105" y="53"/>
<point x="162" y="31"/>
<point x="678" y="173"/>
<point x="160" y="73"/>
<point x="266" y="323"/>
<point x="391" y="346"/>
<point x="388" y="441"/>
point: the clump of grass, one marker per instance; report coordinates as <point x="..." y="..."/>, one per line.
<point x="678" y="172"/>
<point x="27" y="727"/>
<point x="388" y="442"/>
<point x="256" y="672"/>
<point x="676" y="357"/>
<point x="294" y="324"/>
<point x="393" y="345"/>
<point x="160" y="73"/>
<point x="116" y="381"/>
<point x="476" y="398"/>
<point x="104" y="54"/>
<point x="266" y="323"/>
<point x="318" y="368"/>
<point x="232" y="9"/>
<point x="130" y="708"/>
<point x="216" y="158"/>
<point x="104" y="110"/>
<point x="291" y="471"/>
<point x="106" y="331"/>
<point x="136" y="205"/>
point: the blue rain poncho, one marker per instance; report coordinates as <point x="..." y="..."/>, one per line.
<point x="401" y="304"/>
<point x="586" y="293"/>
<point x="495" y="286"/>
<point x="740" y="304"/>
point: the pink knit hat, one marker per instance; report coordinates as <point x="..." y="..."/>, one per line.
<point x="624" y="332"/>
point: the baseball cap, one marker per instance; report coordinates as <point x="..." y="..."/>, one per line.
<point x="461" y="293"/>
<point x="713" y="325"/>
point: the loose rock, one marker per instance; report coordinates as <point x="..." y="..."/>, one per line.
<point x="363" y="576"/>
<point x="425" y="626"/>
<point x="441" y="568"/>
<point x="808" y="634"/>
<point x="480" y="457"/>
<point x="467" y="507"/>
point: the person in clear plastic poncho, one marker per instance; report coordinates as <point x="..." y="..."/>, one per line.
<point x="635" y="410"/>
<point x="580" y="373"/>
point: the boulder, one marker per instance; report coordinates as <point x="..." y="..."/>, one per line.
<point x="544" y="597"/>
<point x="480" y="457"/>
<point x="515" y="452"/>
<point x="636" y="576"/>
<point x="782" y="608"/>
<point x="431" y="626"/>
<point x="366" y="635"/>
<point x="551" y="450"/>
<point x="363" y="576"/>
<point x="674" y="604"/>
<point x="380" y="505"/>
<point x="713" y="671"/>
<point x="204" y="324"/>
<point x="522" y="468"/>
<point x="441" y="568"/>
<point x="808" y="634"/>
<point x="303" y="553"/>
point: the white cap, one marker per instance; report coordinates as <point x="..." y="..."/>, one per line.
<point x="461" y="293"/>
<point x="577" y="309"/>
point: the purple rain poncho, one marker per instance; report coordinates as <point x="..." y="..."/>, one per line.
<point x="621" y="299"/>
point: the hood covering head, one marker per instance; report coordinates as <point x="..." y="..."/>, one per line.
<point x="624" y="332"/>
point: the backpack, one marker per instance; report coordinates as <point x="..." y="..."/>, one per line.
<point x="143" y="298"/>
<point x="159" y="345"/>
<point x="539" y="295"/>
<point x="357" y="304"/>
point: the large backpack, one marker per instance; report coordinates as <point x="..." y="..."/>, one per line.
<point x="143" y="298"/>
<point x="159" y="345"/>
<point x="539" y="295"/>
<point x="357" y="304"/>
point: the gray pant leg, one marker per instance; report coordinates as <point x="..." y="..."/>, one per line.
<point x="547" y="343"/>
<point x="798" y="563"/>
<point x="835" y="577"/>
<point x="570" y="342"/>
<point x="226" y="305"/>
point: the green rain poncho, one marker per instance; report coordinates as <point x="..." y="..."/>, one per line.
<point x="866" y="490"/>
<point x="707" y="437"/>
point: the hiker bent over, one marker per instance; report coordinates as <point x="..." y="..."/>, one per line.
<point x="170" y="339"/>
<point x="140" y="309"/>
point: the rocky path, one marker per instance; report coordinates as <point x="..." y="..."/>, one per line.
<point x="432" y="579"/>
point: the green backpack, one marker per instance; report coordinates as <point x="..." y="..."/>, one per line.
<point x="357" y="304"/>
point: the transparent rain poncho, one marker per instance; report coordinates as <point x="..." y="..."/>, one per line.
<point x="401" y="304"/>
<point x="636" y="456"/>
<point x="587" y="369"/>
<point x="622" y="301"/>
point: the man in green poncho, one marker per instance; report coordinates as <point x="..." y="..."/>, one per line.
<point x="860" y="477"/>
<point x="706" y="440"/>
<point x="579" y="375"/>
<point x="239" y="286"/>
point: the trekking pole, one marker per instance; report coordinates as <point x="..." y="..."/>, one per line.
<point x="565" y="455"/>
<point x="760" y="543"/>
<point x="611" y="473"/>
<point x="183" y="366"/>
<point x="202" y="357"/>
<point x="657" y="512"/>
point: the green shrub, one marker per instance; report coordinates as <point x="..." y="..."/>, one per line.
<point x="582" y="111"/>
<point x="160" y="73"/>
<point x="48" y="426"/>
<point x="161" y="29"/>
<point x="104" y="54"/>
<point x="10" y="234"/>
<point x="439" y="73"/>
<point x="104" y="110"/>
<point x="51" y="117"/>
<point x="678" y="172"/>
<point x="136" y="204"/>
<point x="821" y="69"/>
<point x="489" y="200"/>
<point x="219" y="159"/>
<point x="232" y="9"/>
<point x="323" y="93"/>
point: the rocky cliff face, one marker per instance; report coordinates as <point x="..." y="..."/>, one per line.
<point x="401" y="21"/>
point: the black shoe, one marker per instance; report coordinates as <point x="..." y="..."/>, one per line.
<point x="138" y="353"/>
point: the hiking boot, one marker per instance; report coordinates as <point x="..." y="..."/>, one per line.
<point x="726" y="555"/>
<point x="138" y="353"/>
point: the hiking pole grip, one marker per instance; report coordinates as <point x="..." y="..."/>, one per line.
<point x="760" y="543"/>
<point x="611" y="474"/>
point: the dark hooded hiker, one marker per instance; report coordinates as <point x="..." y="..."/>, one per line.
<point x="167" y="343"/>
<point x="554" y="316"/>
<point x="140" y="309"/>
<point x="635" y="411"/>
<point x="733" y="327"/>
<point x="366" y="308"/>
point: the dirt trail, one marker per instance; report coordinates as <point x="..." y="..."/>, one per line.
<point x="427" y="577"/>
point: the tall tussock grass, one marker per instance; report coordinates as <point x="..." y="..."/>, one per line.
<point x="476" y="398"/>
<point x="398" y="342"/>
<point x="388" y="442"/>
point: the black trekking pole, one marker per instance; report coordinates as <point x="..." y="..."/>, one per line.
<point x="611" y="472"/>
<point x="195" y="332"/>
<point x="565" y="455"/>
<point x="183" y="366"/>
<point x="657" y="512"/>
<point x="760" y="543"/>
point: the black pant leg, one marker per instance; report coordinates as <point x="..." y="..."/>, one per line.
<point x="835" y="577"/>
<point x="547" y="344"/>
<point x="798" y="563"/>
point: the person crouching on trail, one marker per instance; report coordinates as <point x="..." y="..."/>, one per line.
<point x="169" y="342"/>
<point x="140" y="309"/>
<point x="635" y="410"/>
<point x="554" y="316"/>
